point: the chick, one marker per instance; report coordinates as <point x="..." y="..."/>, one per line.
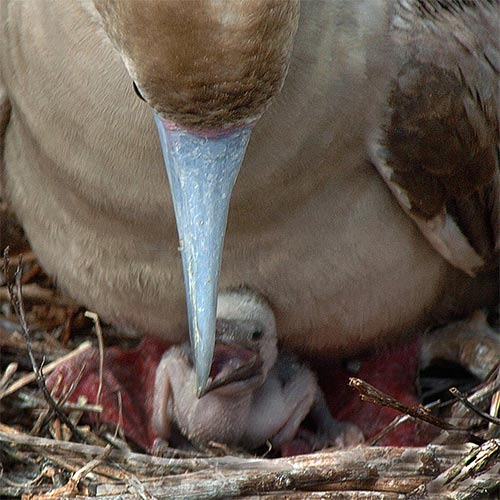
<point x="254" y="395"/>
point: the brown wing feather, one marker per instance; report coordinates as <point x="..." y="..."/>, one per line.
<point x="438" y="151"/>
<point x="439" y="156"/>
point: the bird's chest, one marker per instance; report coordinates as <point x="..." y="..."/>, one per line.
<point x="343" y="264"/>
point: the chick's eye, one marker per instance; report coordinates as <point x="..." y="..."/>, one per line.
<point x="257" y="334"/>
<point x="138" y="92"/>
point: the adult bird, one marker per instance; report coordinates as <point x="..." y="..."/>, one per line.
<point x="367" y="204"/>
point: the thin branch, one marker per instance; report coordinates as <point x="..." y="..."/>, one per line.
<point x="119" y="427"/>
<point x="375" y="396"/>
<point x="86" y="469"/>
<point x="65" y="395"/>
<point x="8" y="374"/>
<point x="481" y="395"/>
<point x="16" y="299"/>
<point x="461" y="397"/>
<point x="397" y="421"/>
<point x="30" y="401"/>
<point x="72" y="388"/>
<point x="28" y="379"/>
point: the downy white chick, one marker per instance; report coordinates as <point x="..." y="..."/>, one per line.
<point x="255" y="394"/>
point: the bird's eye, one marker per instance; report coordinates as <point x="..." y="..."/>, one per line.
<point x="257" y="334"/>
<point x="138" y="92"/>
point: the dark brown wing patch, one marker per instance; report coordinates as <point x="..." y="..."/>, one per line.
<point x="441" y="149"/>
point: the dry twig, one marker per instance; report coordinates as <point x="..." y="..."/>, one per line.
<point x="31" y="377"/>
<point x="400" y="419"/>
<point x="16" y="299"/>
<point x="462" y="398"/>
<point x="375" y="396"/>
<point x="7" y="375"/>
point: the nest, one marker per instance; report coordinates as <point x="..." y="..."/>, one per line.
<point x="46" y="452"/>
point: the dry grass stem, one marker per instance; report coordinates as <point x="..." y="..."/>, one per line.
<point x="100" y="342"/>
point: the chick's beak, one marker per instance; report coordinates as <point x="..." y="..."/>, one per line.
<point x="232" y="363"/>
<point x="202" y="170"/>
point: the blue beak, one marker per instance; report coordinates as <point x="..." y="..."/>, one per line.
<point x="202" y="170"/>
